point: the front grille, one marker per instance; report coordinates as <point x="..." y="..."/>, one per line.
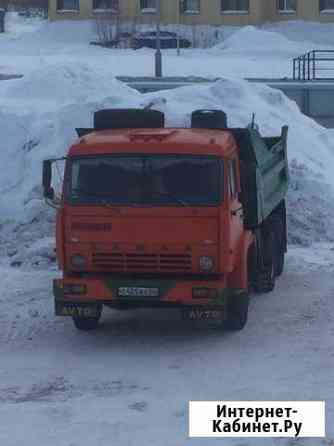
<point x="139" y="262"/>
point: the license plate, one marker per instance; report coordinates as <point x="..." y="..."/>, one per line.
<point x="203" y="314"/>
<point x="78" y="310"/>
<point x="138" y="292"/>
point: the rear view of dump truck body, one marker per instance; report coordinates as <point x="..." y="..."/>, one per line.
<point x="156" y="217"/>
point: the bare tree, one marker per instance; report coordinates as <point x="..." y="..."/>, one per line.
<point x="115" y="30"/>
<point x="106" y="25"/>
<point x="194" y="35"/>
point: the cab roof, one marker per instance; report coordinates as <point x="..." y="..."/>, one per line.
<point x="164" y="140"/>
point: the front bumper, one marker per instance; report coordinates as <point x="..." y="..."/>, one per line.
<point x="172" y="292"/>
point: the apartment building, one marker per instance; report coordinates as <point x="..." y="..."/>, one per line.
<point x="214" y="12"/>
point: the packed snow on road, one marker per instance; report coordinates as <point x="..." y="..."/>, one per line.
<point x="129" y="382"/>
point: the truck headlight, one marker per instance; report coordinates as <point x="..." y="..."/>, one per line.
<point x="206" y="264"/>
<point x="78" y="261"/>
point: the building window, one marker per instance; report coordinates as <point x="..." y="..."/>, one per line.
<point x="287" y="6"/>
<point x="67" y="5"/>
<point x="148" y="6"/>
<point x="106" y="5"/>
<point x="190" y="6"/>
<point x="326" y="6"/>
<point x="235" y="6"/>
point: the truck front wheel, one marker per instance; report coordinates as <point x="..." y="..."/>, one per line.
<point x="87" y="323"/>
<point x="237" y="311"/>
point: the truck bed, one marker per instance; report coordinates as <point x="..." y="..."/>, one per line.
<point x="264" y="173"/>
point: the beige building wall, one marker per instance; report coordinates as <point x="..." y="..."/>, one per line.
<point x="306" y="10"/>
<point x="210" y="13"/>
<point x="260" y="11"/>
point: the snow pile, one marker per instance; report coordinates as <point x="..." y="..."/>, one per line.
<point x="309" y="143"/>
<point x="56" y="86"/>
<point x="250" y="38"/>
<point x="43" y="109"/>
<point x="310" y="146"/>
<point x="39" y="120"/>
<point x="321" y="34"/>
<point x="67" y="32"/>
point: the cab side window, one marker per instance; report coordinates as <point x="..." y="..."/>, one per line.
<point x="232" y="169"/>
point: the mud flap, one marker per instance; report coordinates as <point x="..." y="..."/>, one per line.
<point x="237" y="310"/>
<point x="204" y="313"/>
<point x="80" y="310"/>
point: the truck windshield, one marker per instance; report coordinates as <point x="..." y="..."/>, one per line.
<point x="146" y="180"/>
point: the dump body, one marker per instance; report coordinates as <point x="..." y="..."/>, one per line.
<point x="264" y="173"/>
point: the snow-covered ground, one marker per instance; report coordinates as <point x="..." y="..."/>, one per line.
<point x="129" y="383"/>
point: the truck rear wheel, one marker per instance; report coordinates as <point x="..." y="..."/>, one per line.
<point x="237" y="311"/>
<point x="279" y="228"/>
<point x="264" y="281"/>
<point x="280" y="257"/>
<point x="279" y="250"/>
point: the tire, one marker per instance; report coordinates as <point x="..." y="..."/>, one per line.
<point x="209" y="119"/>
<point x="279" y="250"/>
<point x="87" y="324"/>
<point x="265" y="279"/>
<point x="280" y="258"/>
<point x="110" y="119"/>
<point x="281" y="238"/>
<point x="237" y="311"/>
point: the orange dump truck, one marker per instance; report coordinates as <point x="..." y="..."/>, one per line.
<point x="189" y="218"/>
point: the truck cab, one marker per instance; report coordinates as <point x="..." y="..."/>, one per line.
<point x="153" y="217"/>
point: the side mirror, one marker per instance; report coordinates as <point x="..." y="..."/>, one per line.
<point x="48" y="191"/>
